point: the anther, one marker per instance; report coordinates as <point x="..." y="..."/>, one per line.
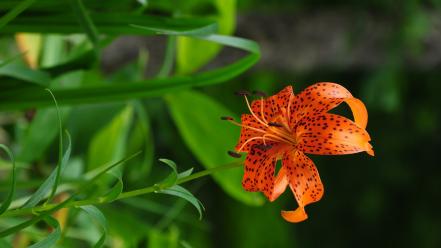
<point x="259" y="93"/>
<point x="242" y="93"/>
<point x="227" y="118"/>
<point x="275" y="124"/>
<point x="263" y="147"/>
<point x="234" y="154"/>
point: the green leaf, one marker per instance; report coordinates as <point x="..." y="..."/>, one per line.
<point x="193" y="53"/>
<point x="171" y="179"/>
<point x="14" y="12"/>
<point x="141" y="137"/>
<point x="185" y="244"/>
<point x="159" y="239"/>
<point x="86" y="22"/>
<point x="116" y="189"/>
<point x="109" y="143"/>
<point x="38" y="137"/>
<point x="181" y="192"/>
<point x="7" y="202"/>
<point x="145" y="88"/>
<point x="5" y="244"/>
<point x="22" y="72"/>
<point x="209" y="139"/>
<point x="50" y="181"/>
<point x="185" y="173"/>
<point x="60" y="151"/>
<point x="99" y="217"/>
<point x="63" y="204"/>
<point x="107" y="23"/>
<point x="53" y="237"/>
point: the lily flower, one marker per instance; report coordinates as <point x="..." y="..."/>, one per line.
<point x="286" y="127"/>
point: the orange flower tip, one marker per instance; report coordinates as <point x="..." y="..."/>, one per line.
<point x="227" y="118"/>
<point x="369" y="150"/>
<point x="275" y="124"/>
<point x="259" y="93"/>
<point x="234" y="154"/>
<point x="243" y="93"/>
<point x="295" y="216"/>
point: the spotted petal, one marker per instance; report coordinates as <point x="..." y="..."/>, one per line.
<point x="322" y="97"/>
<point x="330" y="134"/>
<point x="250" y="133"/>
<point x="259" y="169"/>
<point x="273" y="105"/>
<point x="304" y="181"/>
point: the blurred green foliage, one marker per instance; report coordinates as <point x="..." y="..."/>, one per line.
<point x="390" y="200"/>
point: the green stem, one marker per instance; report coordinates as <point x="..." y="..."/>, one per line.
<point x="128" y="194"/>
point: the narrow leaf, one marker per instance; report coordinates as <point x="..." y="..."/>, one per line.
<point x="63" y="204"/>
<point x="60" y="150"/>
<point x="181" y="192"/>
<point x="21" y="72"/>
<point x="100" y="219"/>
<point x="50" y="181"/>
<point x="86" y="22"/>
<point x="51" y="239"/>
<point x="7" y="202"/>
<point x="22" y="6"/>
<point x="172" y="177"/>
<point x="185" y="173"/>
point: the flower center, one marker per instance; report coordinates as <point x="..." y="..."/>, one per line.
<point x="276" y="131"/>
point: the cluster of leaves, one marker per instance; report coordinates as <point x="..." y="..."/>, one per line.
<point x="63" y="57"/>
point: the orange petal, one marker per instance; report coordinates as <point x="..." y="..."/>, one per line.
<point x="316" y="99"/>
<point x="259" y="170"/>
<point x="295" y="216"/>
<point x="359" y="111"/>
<point x="273" y="104"/>
<point x="304" y="181"/>
<point x="330" y="134"/>
<point x="248" y="131"/>
<point x="279" y="184"/>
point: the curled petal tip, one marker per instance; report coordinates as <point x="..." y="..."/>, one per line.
<point x="369" y="150"/>
<point x="295" y="216"/>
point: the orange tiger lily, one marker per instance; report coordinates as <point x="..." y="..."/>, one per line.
<point x="285" y="127"/>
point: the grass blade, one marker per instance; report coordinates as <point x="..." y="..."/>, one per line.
<point x="63" y="204"/>
<point x="60" y="150"/>
<point x="50" y="181"/>
<point x="53" y="237"/>
<point x="7" y="202"/>
<point x="145" y="88"/>
<point x="86" y="22"/>
<point x="181" y="192"/>
<point x="15" y="12"/>
<point x="99" y="217"/>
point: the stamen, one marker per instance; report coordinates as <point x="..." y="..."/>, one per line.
<point x="234" y="154"/>
<point x="242" y="93"/>
<point x="263" y="147"/>
<point x="288" y="114"/>
<point x="252" y="112"/>
<point x="275" y="124"/>
<point x="227" y="118"/>
<point x="245" y="126"/>
<point x="262" y="101"/>
<point x="255" y="138"/>
<point x="259" y="93"/>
